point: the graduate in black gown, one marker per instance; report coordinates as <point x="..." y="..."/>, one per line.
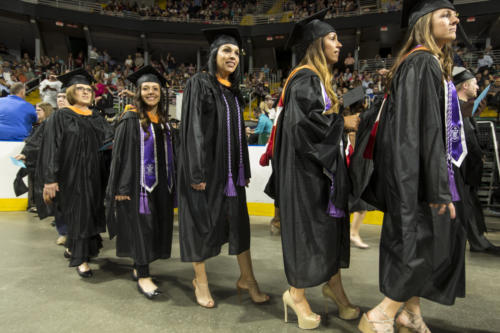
<point x="141" y="186"/>
<point x="469" y="174"/>
<point x="73" y="170"/>
<point x="214" y="168"/>
<point x="419" y="139"/>
<point x="311" y="174"/>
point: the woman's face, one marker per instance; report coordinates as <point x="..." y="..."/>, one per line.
<point x="444" y="25"/>
<point x="40" y="114"/>
<point x="62" y="102"/>
<point x="331" y="48"/>
<point x="228" y="58"/>
<point x="83" y="94"/>
<point x="151" y="93"/>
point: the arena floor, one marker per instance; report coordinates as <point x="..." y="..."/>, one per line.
<point x="39" y="293"/>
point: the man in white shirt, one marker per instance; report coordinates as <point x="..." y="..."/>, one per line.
<point x="485" y="61"/>
<point x="49" y="89"/>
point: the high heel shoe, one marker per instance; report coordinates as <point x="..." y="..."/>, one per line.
<point x="411" y="323"/>
<point x="210" y="304"/>
<point x="346" y="312"/>
<point x="383" y="326"/>
<point x="148" y="294"/>
<point x="306" y="322"/>
<point x="67" y="254"/>
<point x="253" y="290"/>
<point x="86" y="274"/>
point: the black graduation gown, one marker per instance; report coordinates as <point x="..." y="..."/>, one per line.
<point x="421" y="252"/>
<point x="70" y="156"/>
<point x="208" y="219"/>
<point x="315" y="245"/>
<point x="142" y="237"/>
<point x="469" y="179"/>
<point x="30" y="151"/>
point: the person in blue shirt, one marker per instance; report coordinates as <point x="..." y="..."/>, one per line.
<point x="262" y="132"/>
<point x="16" y="115"/>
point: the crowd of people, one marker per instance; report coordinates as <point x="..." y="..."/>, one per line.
<point x="185" y="10"/>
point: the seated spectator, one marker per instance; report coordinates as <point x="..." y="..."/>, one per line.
<point x="16" y="115"/>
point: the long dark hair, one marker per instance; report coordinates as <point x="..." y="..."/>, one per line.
<point x="142" y="108"/>
<point x="234" y="77"/>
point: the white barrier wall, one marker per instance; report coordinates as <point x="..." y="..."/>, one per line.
<point x="8" y="170"/>
<point x="260" y="176"/>
<point x="255" y="191"/>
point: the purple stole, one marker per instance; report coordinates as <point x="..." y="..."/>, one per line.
<point x="456" y="149"/>
<point x="149" y="165"/>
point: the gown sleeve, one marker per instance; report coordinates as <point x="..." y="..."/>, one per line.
<point x="192" y="130"/>
<point x="315" y="136"/>
<point x="32" y="146"/>
<point x="419" y="132"/>
<point x="121" y="174"/>
<point x="52" y="141"/>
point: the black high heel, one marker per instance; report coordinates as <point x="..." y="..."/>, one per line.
<point x="86" y="274"/>
<point x="149" y="295"/>
<point x="67" y="255"/>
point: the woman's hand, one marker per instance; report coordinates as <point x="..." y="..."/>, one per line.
<point x="20" y="157"/>
<point x="122" y="197"/>
<point x="199" y="187"/>
<point x="352" y="122"/>
<point x="126" y="93"/>
<point x="49" y="192"/>
<point x="442" y="209"/>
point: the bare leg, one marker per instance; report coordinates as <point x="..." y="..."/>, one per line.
<point x="335" y="284"/>
<point x="300" y="300"/>
<point x="411" y="316"/>
<point x="275" y="222"/>
<point x="247" y="279"/>
<point x="200" y="284"/>
<point x="357" y="220"/>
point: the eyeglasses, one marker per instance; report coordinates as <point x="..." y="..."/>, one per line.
<point x="84" y="89"/>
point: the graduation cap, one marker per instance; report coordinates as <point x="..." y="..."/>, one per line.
<point x="147" y="74"/>
<point x="78" y="76"/>
<point x="461" y="74"/>
<point x="415" y="9"/>
<point x="354" y="95"/>
<point x="220" y="36"/>
<point x="307" y="30"/>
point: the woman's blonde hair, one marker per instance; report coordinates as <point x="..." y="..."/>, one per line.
<point x="421" y="34"/>
<point x="315" y="57"/>
<point x="71" y="95"/>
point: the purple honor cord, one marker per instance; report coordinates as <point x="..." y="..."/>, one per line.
<point x="230" y="190"/>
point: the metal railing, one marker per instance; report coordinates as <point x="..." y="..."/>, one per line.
<point x="470" y="59"/>
<point x="92" y="7"/>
